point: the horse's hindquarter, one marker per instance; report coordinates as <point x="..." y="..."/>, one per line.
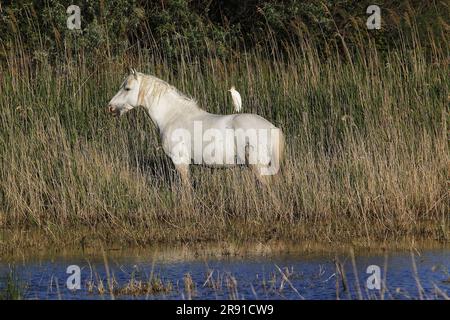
<point x="214" y="140"/>
<point x="258" y="137"/>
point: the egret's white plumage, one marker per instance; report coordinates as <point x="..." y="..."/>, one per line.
<point x="236" y="97"/>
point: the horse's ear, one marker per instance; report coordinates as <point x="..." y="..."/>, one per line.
<point x="133" y="72"/>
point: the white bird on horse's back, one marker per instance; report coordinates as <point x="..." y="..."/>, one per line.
<point x="190" y="135"/>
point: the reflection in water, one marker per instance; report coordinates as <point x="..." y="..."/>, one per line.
<point x="291" y="276"/>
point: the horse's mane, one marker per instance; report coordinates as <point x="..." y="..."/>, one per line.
<point x="160" y="87"/>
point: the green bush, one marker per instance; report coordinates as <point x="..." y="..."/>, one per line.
<point x="208" y="27"/>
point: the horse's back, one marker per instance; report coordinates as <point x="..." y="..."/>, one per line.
<point x="234" y="121"/>
<point x="251" y="121"/>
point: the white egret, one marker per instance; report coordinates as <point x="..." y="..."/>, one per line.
<point x="237" y="101"/>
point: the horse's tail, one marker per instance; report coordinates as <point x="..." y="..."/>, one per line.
<point x="282" y="147"/>
<point x="278" y="150"/>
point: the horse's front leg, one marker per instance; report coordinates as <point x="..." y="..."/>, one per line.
<point x="180" y="155"/>
<point x="183" y="171"/>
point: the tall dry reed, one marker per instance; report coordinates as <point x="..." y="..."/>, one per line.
<point x="367" y="149"/>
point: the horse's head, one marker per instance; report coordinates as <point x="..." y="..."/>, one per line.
<point x="128" y="96"/>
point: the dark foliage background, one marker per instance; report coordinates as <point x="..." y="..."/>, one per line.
<point x="221" y="27"/>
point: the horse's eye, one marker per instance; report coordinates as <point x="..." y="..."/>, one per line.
<point x="127" y="89"/>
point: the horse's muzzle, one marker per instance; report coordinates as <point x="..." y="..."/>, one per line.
<point x="113" y="111"/>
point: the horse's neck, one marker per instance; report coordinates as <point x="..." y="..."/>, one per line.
<point x="168" y="108"/>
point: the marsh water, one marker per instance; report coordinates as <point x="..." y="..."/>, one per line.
<point x="178" y="275"/>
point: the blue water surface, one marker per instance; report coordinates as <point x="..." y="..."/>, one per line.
<point x="276" y="277"/>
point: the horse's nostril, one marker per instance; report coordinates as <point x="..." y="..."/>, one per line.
<point x="113" y="111"/>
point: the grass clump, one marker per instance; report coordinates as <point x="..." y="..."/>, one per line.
<point x="11" y="286"/>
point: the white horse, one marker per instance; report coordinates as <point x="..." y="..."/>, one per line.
<point x="190" y="135"/>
